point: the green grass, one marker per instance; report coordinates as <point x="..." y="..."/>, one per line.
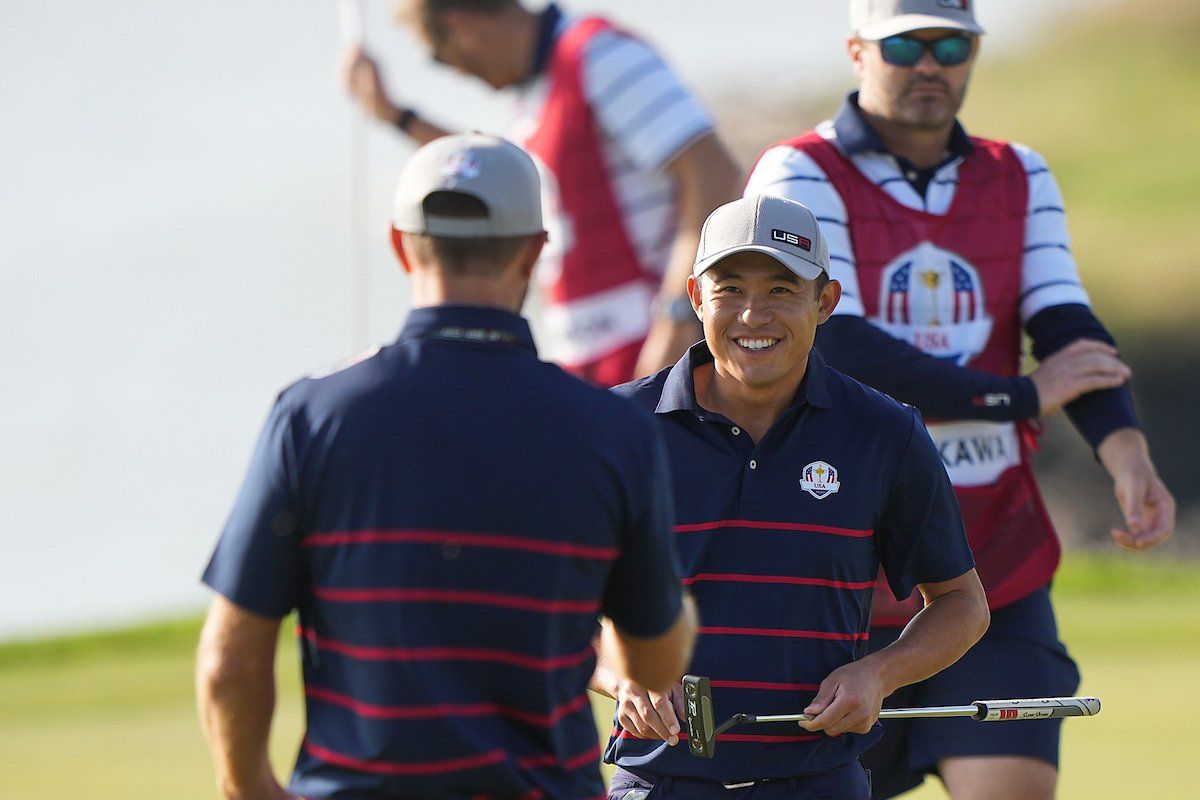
<point x="112" y="715"/>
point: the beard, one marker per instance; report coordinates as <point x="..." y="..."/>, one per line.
<point x="919" y="108"/>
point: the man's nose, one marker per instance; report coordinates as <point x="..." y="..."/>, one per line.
<point x="927" y="65"/>
<point x="757" y="311"/>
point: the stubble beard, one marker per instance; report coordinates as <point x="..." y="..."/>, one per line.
<point x="929" y="112"/>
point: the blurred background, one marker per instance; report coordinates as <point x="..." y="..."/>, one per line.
<point x="182" y="234"/>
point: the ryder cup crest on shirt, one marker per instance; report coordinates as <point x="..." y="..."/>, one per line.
<point x="933" y="299"/>
<point x="820" y="479"/>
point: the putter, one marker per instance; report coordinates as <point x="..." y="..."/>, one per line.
<point x="702" y="730"/>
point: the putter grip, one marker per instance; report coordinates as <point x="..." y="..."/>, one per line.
<point x="1039" y="708"/>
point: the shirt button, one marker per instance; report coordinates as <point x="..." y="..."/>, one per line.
<point x="736" y="430"/>
<point x="911" y="175"/>
<point x="753" y="464"/>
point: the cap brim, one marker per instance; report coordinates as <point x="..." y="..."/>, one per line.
<point x="798" y="266"/>
<point x="906" y="23"/>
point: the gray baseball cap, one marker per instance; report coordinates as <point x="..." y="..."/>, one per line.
<point x="493" y="170"/>
<point x="878" y="19"/>
<point x="775" y="226"/>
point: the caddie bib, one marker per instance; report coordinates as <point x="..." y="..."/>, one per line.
<point x="950" y="286"/>
<point x="597" y="293"/>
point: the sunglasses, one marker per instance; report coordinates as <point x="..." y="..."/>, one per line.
<point x="905" y="51"/>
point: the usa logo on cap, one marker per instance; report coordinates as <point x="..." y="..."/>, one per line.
<point x="463" y="164"/>
<point x="820" y="479"/>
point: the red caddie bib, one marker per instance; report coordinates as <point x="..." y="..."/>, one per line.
<point x="950" y="285"/>
<point x="597" y="293"/>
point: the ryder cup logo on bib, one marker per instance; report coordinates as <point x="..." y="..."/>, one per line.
<point x="820" y="480"/>
<point x="933" y="299"/>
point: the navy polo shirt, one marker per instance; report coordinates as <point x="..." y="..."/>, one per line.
<point x="781" y="541"/>
<point x="449" y="516"/>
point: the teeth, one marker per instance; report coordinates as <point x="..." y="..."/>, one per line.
<point x="756" y="344"/>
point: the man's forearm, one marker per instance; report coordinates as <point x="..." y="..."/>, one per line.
<point x="935" y="638"/>
<point x="236" y="715"/>
<point x="707" y="177"/>
<point x="235" y="692"/>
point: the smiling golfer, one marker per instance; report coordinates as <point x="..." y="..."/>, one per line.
<point x="793" y="484"/>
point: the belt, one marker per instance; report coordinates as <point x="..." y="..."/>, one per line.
<point x="669" y="780"/>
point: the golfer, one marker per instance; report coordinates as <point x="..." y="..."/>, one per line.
<point x="632" y="165"/>
<point x="950" y="248"/>
<point x="793" y="485"/>
<point x="448" y="515"/>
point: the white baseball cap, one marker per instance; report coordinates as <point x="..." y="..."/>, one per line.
<point x="782" y="229"/>
<point x="494" y="171"/>
<point x="878" y="19"/>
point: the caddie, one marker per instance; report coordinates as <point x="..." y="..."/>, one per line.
<point x="950" y="247"/>
<point x="631" y="161"/>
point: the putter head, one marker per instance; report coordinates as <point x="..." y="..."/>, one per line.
<point x="697" y="700"/>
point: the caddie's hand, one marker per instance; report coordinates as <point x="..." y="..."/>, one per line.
<point x="1146" y="503"/>
<point x="360" y="75"/>
<point x="1083" y="366"/>
<point x="650" y="715"/>
<point x="847" y="701"/>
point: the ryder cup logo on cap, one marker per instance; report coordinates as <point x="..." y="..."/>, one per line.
<point x="878" y="19"/>
<point x="492" y="170"/>
<point x="461" y="164"/>
<point x="774" y="226"/>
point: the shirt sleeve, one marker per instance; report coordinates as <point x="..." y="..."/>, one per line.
<point x="257" y="563"/>
<point x="1095" y="414"/>
<point x="1049" y="274"/>
<point x="645" y="590"/>
<point x="639" y="102"/>
<point x="939" y="389"/>
<point x="791" y="173"/>
<point x="921" y="537"/>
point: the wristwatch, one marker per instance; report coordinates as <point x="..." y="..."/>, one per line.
<point x="677" y="308"/>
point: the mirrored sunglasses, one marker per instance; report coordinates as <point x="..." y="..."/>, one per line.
<point x="905" y="51"/>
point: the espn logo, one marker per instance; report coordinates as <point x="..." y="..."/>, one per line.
<point x="794" y="239"/>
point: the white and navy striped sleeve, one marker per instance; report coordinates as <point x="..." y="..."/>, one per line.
<point x="787" y="172"/>
<point x="639" y="102"/>
<point x="1049" y="275"/>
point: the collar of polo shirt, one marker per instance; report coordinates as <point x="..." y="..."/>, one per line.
<point x="679" y="391"/>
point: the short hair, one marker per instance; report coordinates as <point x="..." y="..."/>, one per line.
<point x="426" y="12"/>
<point x="480" y="256"/>
<point x="819" y="284"/>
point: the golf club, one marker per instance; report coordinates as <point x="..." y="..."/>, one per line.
<point x="702" y="730"/>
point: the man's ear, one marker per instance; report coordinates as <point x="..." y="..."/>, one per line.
<point x="531" y="252"/>
<point x="693" y="289"/>
<point x="398" y="246"/>
<point x="829" y="298"/>
<point x="854" y="48"/>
